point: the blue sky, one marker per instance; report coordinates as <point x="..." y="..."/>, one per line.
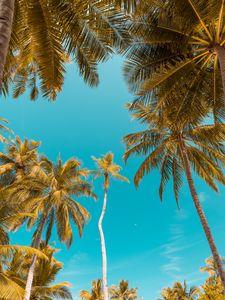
<point x="149" y="243"/>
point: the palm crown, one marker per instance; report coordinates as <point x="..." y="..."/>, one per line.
<point x="122" y="292"/>
<point x="96" y="292"/>
<point x="20" y="157"/>
<point x="160" y="144"/>
<point x="55" y="185"/>
<point x="180" y="291"/>
<point x="210" y="267"/>
<point x="107" y="169"/>
<point x="176" y="47"/>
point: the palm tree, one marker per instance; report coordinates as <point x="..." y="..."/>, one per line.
<point x="177" y="43"/>
<point x="48" y="192"/>
<point x="96" y="292"/>
<point x="39" y="37"/>
<point x="175" y="146"/>
<point x="107" y="170"/>
<point x="19" y="158"/>
<point x="122" y="292"/>
<point x="180" y="292"/>
<point x="45" y="275"/>
<point x="10" y="218"/>
<point x="14" y="269"/>
<point x="11" y="285"/>
<point x="167" y="294"/>
<point x="210" y="267"/>
<point x="212" y="288"/>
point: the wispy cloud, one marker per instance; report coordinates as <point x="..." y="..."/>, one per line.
<point x="172" y="251"/>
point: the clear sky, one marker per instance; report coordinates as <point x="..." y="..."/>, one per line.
<point x="149" y="243"/>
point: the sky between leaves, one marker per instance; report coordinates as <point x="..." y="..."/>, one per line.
<point x="149" y="243"/>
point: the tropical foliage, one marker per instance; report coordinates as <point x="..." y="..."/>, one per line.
<point x="180" y="291"/>
<point x="41" y="193"/>
<point x="178" y="46"/>
<point x="175" y="144"/>
<point x="174" y="65"/>
<point x="108" y="170"/>
<point x="211" y="289"/>
<point x="121" y="292"/>
<point x="14" y="270"/>
<point x="96" y="291"/>
<point x="45" y="35"/>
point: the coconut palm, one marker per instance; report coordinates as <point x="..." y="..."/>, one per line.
<point x="19" y="158"/>
<point x="212" y="288"/>
<point x="177" y="43"/>
<point x="122" y="292"/>
<point x="11" y="285"/>
<point x="39" y="37"/>
<point x="96" y="292"/>
<point x="180" y="291"/>
<point x="167" y="294"/>
<point x="14" y="269"/>
<point x="107" y="170"/>
<point x="173" y="145"/>
<point x="211" y="268"/>
<point x="44" y="286"/>
<point x="52" y="202"/>
<point x="10" y="218"/>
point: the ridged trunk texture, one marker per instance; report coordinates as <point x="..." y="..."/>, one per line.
<point x="36" y="244"/>
<point x="6" y="21"/>
<point x="220" y="50"/>
<point x="200" y="212"/>
<point x="103" y="248"/>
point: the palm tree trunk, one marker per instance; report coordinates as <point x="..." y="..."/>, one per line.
<point x="36" y="244"/>
<point x="200" y="212"/>
<point x="220" y="50"/>
<point x="6" y="21"/>
<point x="103" y="248"/>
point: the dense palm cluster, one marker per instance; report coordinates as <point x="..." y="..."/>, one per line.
<point x="174" y="54"/>
<point x="41" y="194"/>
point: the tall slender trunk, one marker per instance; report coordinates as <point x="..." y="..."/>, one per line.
<point x="103" y="248"/>
<point x="220" y="50"/>
<point x="36" y="244"/>
<point x="6" y="21"/>
<point x="200" y="212"/>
